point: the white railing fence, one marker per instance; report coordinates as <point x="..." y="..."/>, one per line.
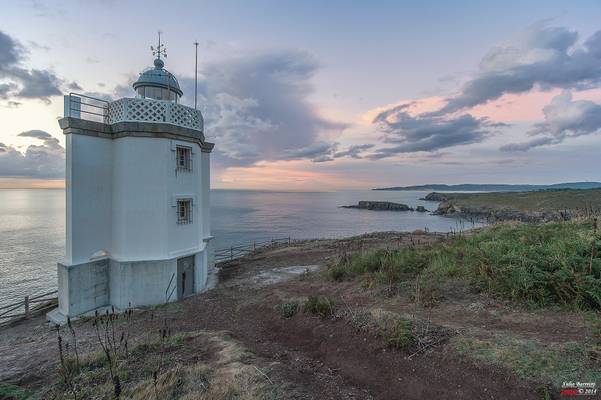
<point x="232" y="252"/>
<point x="132" y="110"/>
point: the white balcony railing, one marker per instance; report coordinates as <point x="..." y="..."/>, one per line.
<point x="132" y="110"/>
<point x="147" y="110"/>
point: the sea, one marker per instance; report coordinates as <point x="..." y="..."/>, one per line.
<point x="32" y="226"/>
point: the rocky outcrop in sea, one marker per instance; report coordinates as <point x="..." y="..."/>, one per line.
<point x="380" y="206"/>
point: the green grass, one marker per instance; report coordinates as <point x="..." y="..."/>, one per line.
<point x="537" y="264"/>
<point x="320" y="305"/>
<point x="287" y="310"/>
<point x="531" y="360"/>
<point x="399" y="334"/>
<point x="13" y="392"/>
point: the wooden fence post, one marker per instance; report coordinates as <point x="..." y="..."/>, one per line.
<point x="26" y="307"/>
<point x="231" y="253"/>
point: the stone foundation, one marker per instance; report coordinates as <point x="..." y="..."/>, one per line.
<point x="103" y="283"/>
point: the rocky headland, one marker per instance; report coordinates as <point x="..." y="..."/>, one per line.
<point x="490" y="214"/>
<point x="540" y="206"/>
<point x="435" y="196"/>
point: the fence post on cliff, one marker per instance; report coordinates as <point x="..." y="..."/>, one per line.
<point x="26" y="302"/>
<point x="231" y="253"/>
<point x="288" y="240"/>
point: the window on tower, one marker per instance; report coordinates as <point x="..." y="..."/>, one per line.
<point x="183" y="156"/>
<point x="184" y="211"/>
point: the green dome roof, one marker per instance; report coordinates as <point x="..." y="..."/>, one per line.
<point x="158" y="77"/>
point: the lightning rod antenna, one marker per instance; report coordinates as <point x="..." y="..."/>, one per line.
<point x="196" y="75"/>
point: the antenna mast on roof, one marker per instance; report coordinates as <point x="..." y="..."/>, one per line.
<point x="196" y="76"/>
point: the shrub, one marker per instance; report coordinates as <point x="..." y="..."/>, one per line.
<point x="539" y="264"/>
<point x="320" y="305"/>
<point x="287" y="310"/>
<point x="338" y="272"/>
<point x="399" y="334"/>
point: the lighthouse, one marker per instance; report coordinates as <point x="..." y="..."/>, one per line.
<point x="137" y="198"/>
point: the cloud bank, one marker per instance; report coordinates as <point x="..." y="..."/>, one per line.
<point x="541" y="58"/>
<point x="22" y="82"/>
<point x="44" y="161"/>
<point x="427" y="132"/>
<point x="564" y="118"/>
<point x="544" y="57"/>
<point x="257" y="107"/>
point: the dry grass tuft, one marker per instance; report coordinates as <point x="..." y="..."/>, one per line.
<point x="228" y="375"/>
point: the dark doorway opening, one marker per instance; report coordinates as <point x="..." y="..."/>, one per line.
<point x="185" y="277"/>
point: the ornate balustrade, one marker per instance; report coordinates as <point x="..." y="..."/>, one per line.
<point x="146" y="110"/>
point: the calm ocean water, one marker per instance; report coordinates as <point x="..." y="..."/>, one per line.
<point x="32" y="226"/>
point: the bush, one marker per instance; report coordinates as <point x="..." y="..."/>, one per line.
<point x="287" y="310"/>
<point x="338" y="272"/>
<point x="539" y="264"/>
<point x="399" y="334"/>
<point x="320" y="305"/>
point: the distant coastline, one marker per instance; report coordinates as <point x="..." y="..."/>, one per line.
<point x="495" y="187"/>
<point x="528" y="206"/>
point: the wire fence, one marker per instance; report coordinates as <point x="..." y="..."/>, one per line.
<point x="233" y="252"/>
<point x="33" y="305"/>
<point x="30" y="305"/>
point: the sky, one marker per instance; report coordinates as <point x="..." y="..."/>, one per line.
<point x="318" y="96"/>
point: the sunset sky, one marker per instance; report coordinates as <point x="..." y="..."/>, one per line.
<point x="314" y="95"/>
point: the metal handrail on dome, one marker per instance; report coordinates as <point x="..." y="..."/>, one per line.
<point x="150" y="110"/>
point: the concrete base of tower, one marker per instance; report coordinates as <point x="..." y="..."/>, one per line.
<point x="87" y="287"/>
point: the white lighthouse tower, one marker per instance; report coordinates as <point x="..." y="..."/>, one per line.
<point x="137" y="187"/>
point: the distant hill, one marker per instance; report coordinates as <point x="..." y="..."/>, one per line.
<point x="474" y="187"/>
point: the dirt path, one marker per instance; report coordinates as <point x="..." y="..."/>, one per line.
<point x="312" y="357"/>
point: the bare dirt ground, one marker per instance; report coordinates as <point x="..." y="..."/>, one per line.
<point x="309" y="357"/>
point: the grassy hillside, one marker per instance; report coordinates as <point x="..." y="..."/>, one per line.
<point x="530" y="201"/>
<point x="546" y="269"/>
<point x="536" y="264"/>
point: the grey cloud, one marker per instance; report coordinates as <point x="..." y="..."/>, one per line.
<point x="353" y="151"/>
<point x="11" y="51"/>
<point x="564" y="118"/>
<point x="39" y="161"/>
<point x="527" y="145"/>
<point x="257" y="106"/>
<point x="318" y="152"/>
<point x="428" y="132"/>
<point x="74" y="86"/>
<point x="23" y="82"/>
<point x="5" y="89"/>
<point x="542" y="56"/>
<point x="321" y="159"/>
<point x="35" y="133"/>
